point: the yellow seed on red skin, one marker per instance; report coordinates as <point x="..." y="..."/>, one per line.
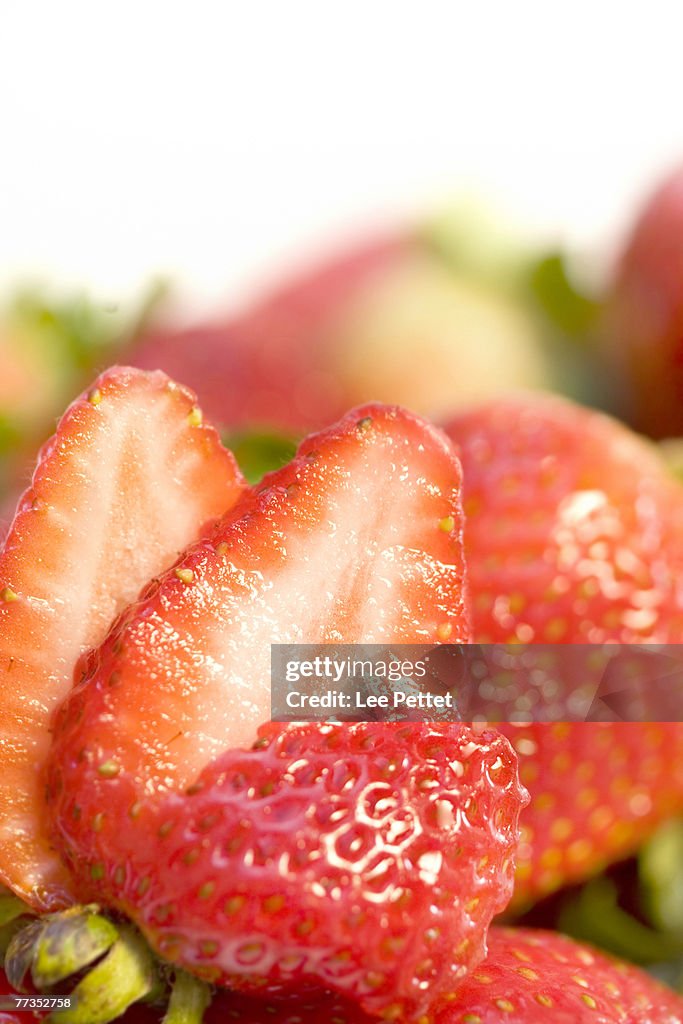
<point x="195" y="416"/>
<point x="234" y="905"/>
<point x="444" y="631"/>
<point x="528" y="973"/>
<point x="447" y="524"/>
<point x="95" y="397"/>
<point x="185" y="575"/>
<point x="108" y="770"/>
<point x="8" y="595"/>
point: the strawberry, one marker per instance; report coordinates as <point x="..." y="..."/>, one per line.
<point x="572" y="537"/>
<point x="366" y="858"/>
<point x="357" y="540"/>
<point x="535" y="977"/>
<point x="127" y="481"/>
<point x="643" y="326"/>
<point x="389" y="319"/>
<point x="573" y="526"/>
<point x="528" y="977"/>
<point x="598" y="790"/>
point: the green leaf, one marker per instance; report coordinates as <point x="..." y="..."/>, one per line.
<point x="69" y="942"/>
<point x="125" y="975"/>
<point x="660" y="867"/>
<point x="594" y="915"/>
<point x="566" y="307"/>
<point x="671" y="451"/>
<point x="11" y="907"/>
<point x="260" y="452"/>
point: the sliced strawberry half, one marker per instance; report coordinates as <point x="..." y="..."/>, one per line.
<point x="358" y="540"/>
<point x="128" y="480"/>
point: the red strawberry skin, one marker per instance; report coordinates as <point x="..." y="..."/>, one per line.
<point x="368" y="859"/>
<point x="573" y="526"/>
<point x="535" y="977"/>
<point x="528" y="977"/>
<point x="129" y="479"/>
<point x="572" y="537"/>
<point x="598" y="789"/>
<point x="643" y="334"/>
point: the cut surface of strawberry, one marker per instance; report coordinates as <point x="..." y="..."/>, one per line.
<point x="357" y="540"/>
<point x="367" y="859"/>
<point x="129" y="479"/>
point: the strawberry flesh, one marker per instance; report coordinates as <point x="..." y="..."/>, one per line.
<point x="129" y="479"/>
<point x="358" y="540"/>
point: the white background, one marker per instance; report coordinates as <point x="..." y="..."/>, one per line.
<point x="214" y="141"/>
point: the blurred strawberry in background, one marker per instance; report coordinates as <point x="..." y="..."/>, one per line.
<point x="433" y="316"/>
<point x="429" y="318"/>
<point x="643" y="337"/>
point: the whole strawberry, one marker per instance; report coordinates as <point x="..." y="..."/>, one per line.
<point x="643" y="328"/>
<point x="573" y="537"/>
<point x="573" y="526"/>
<point x="129" y="479"/>
<point x="368" y="859"/>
